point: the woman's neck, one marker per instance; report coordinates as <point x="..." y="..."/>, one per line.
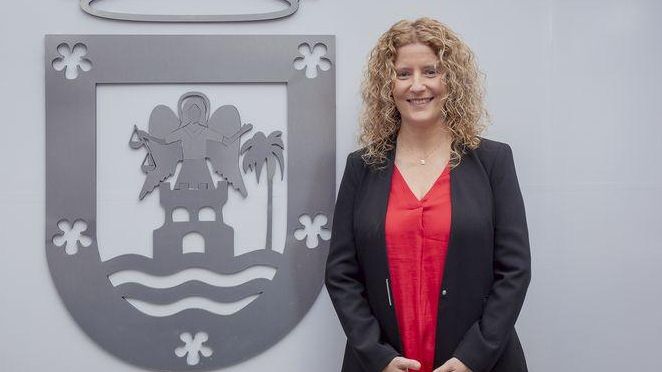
<point x="424" y="138"/>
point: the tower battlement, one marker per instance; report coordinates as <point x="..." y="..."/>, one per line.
<point x="184" y="197"/>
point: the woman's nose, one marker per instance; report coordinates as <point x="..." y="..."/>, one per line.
<point x="417" y="84"/>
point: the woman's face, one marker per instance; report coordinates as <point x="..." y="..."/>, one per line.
<point x="419" y="88"/>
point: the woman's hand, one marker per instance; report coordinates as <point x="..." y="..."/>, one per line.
<point x="452" y="365"/>
<point x="399" y="364"/>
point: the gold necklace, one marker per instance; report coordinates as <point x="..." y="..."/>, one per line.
<point x="423" y="160"/>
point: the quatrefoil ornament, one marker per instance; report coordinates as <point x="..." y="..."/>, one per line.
<point x="312" y="230"/>
<point x="193" y="347"/>
<point x="72" y="60"/>
<point x="71" y="236"/>
<point x="312" y="59"/>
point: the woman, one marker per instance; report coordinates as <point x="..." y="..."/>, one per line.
<point x="429" y="260"/>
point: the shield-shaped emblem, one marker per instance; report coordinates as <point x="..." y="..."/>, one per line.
<point x="210" y="306"/>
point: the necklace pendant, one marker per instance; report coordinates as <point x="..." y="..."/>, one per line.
<point x="422" y="161"/>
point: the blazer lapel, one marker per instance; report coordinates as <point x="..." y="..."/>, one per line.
<point x="461" y="189"/>
<point x="381" y="188"/>
<point x="457" y="196"/>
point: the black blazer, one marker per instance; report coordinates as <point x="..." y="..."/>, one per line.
<point x="486" y="275"/>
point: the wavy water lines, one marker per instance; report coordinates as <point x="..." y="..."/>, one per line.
<point x="192" y="288"/>
<point x="218" y="308"/>
<point x="197" y="274"/>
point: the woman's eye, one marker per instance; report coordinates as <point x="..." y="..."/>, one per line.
<point x="431" y="73"/>
<point x="403" y="74"/>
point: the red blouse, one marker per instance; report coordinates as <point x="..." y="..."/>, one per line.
<point x="417" y="233"/>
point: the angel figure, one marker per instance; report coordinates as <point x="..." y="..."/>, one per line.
<point x="192" y="137"/>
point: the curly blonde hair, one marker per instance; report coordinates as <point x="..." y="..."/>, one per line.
<point x="463" y="109"/>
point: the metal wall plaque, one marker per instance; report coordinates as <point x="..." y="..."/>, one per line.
<point x="193" y="134"/>
<point x="88" y="7"/>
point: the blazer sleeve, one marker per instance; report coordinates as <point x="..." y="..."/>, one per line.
<point x="345" y="281"/>
<point x="484" y="342"/>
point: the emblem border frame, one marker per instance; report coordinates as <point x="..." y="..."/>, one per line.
<point x="205" y="59"/>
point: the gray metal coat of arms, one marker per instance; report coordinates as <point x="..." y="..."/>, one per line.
<point x="196" y="152"/>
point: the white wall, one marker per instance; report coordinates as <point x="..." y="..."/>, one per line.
<point x="573" y="87"/>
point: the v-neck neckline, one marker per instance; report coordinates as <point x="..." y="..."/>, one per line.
<point x="429" y="190"/>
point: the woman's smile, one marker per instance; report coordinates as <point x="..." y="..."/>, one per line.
<point x="420" y="101"/>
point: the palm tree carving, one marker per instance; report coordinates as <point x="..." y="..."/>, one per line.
<point x="261" y="150"/>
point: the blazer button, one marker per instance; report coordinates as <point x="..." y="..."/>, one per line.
<point x="444" y="292"/>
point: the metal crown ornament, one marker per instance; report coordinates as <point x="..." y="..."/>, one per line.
<point x="86" y="6"/>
